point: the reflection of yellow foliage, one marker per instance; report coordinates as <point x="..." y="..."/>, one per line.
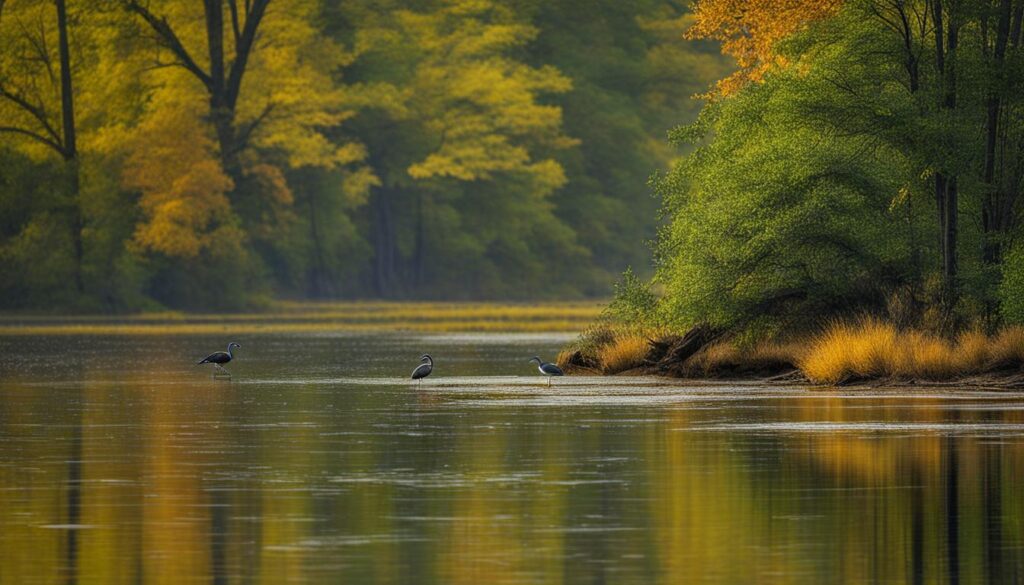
<point x="485" y="543"/>
<point x="32" y="495"/>
<point x="175" y="517"/>
<point x="683" y="505"/>
<point x="848" y="455"/>
<point x="109" y="488"/>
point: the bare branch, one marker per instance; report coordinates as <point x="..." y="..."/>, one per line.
<point x="253" y="17"/>
<point x="233" y="6"/>
<point x="34" y="136"/>
<point x="246" y="132"/>
<point x="169" y="39"/>
<point x="34" y="110"/>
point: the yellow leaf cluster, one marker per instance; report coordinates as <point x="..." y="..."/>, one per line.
<point x="183" y="187"/>
<point x="479" y="106"/>
<point x="750" y="29"/>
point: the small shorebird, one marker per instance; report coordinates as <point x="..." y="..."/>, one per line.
<point x="423" y="370"/>
<point x="219" y="358"/>
<point x="547" y="369"/>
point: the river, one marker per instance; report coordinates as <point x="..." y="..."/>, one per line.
<point x="320" y="462"/>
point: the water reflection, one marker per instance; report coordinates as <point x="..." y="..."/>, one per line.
<point x="307" y="468"/>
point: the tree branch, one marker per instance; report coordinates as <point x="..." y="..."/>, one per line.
<point x="34" y="136"/>
<point x="246" y="132"/>
<point x="35" y="111"/>
<point x="253" y="17"/>
<point x="233" y="7"/>
<point x="169" y="39"/>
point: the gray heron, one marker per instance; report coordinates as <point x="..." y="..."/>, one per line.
<point x="547" y="369"/>
<point x="423" y="370"/>
<point x="219" y="358"/>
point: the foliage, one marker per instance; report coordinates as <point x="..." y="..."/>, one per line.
<point x="229" y="151"/>
<point x="750" y="31"/>
<point x="634" y="303"/>
<point x="1011" y="289"/>
<point x="845" y="163"/>
<point x="775" y="221"/>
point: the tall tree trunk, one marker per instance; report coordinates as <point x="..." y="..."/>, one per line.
<point x="322" y="283"/>
<point x="383" y="244"/>
<point x="418" y="253"/>
<point x="222" y="111"/>
<point x="993" y="221"/>
<point x="223" y="81"/>
<point x="70" y="143"/>
<point x="946" y="191"/>
<point x="951" y="231"/>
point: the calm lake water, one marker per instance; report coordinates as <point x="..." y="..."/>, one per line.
<point x="122" y="462"/>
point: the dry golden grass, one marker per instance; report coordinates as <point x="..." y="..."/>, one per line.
<point x="1006" y="349"/>
<point x="623" y="353"/>
<point x="973" y="350"/>
<point x="870" y="348"/>
<point x="294" y="317"/>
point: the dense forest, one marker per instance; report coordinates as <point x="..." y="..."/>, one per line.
<point x="867" y="157"/>
<point x="211" y="156"/>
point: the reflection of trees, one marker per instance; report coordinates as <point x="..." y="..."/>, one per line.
<point x="181" y="483"/>
<point x="502" y="528"/>
<point x="32" y="493"/>
<point x="939" y="513"/>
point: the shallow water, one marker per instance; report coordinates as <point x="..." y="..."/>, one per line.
<point x="122" y="462"/>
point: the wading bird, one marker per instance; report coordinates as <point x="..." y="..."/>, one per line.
<point x="547" y="369"/>
<point x="423" y="370"/>
<point x="218" y="358"/>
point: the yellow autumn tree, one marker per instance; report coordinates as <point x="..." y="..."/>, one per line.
<point x="184" y="202"/>
<point x="750" y="29"/>
<point x="239" y="93"/>
<point x="466" y="119"/>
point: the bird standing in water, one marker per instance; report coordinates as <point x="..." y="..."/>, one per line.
<point x="423" y="370"/>
<point x="219" y="358"/>
<point x="547" y="369"/>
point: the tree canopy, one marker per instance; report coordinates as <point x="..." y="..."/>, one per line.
<point x="868" y="158"/>
<point x="211" y="155"/>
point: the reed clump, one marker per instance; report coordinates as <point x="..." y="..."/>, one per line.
<point x="625" y="352"/>
<point x="605" y="349"/>
<point x="871" y="348"/>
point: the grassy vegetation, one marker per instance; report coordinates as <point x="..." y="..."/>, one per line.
<point x="623" y="353"/>
<point x="871" y="348"/>
<point x="604" y="349"/>
<point x="292" y="317"/>
<point x="845" y="351"/>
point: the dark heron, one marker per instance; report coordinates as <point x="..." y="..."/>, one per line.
<point x="423" y="370"/>
<point x="219" y="358"/>
<point x="547" y="369"/>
